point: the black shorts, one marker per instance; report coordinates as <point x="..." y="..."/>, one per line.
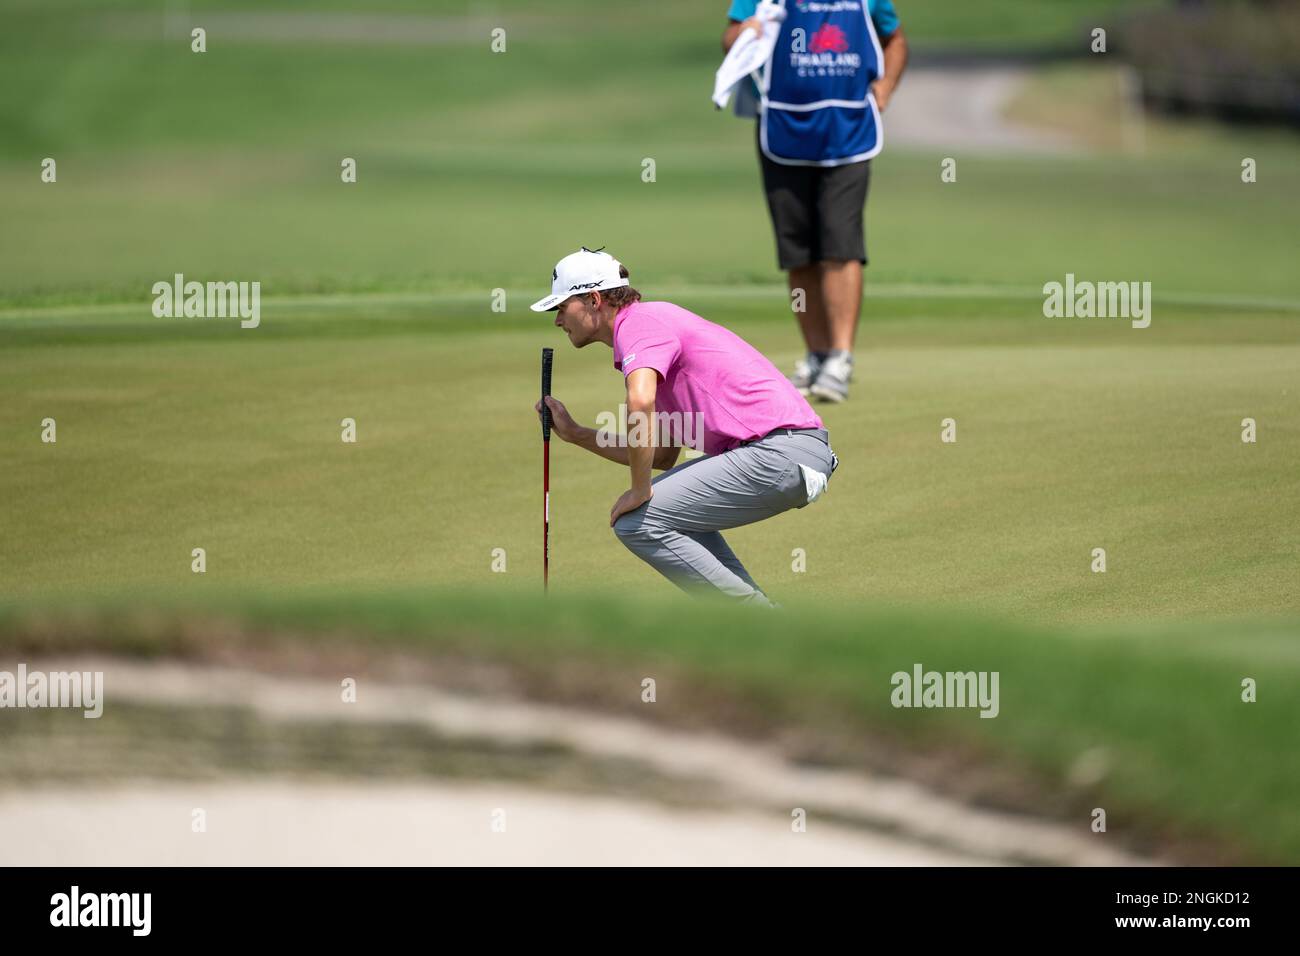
<point x="816" y="210"/>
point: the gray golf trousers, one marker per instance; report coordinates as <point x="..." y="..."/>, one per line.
<point x="677" y="531"/>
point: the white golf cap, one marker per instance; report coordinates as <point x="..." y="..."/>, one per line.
<point x="583" y="271"/>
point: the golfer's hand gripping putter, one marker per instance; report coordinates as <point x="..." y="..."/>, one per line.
<point x="546" y="391"/>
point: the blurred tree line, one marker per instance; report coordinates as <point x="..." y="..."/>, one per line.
<point x="1231" y="59"/>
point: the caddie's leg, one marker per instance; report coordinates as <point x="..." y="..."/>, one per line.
<point x="841" y="199"/>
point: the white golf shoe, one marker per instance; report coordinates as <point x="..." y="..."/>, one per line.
<point x="806" y="371"/>
<point x="832" y="382"/>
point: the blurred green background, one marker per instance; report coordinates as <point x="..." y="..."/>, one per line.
<point x="478" y="170"/>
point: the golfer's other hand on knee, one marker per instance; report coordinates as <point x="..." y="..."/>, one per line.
<point x="629" y="500"/>
<point x="562" y="422"/>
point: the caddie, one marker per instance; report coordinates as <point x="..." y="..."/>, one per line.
<point x="833" y="66"/>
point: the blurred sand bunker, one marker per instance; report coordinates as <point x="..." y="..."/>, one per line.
<point x="853" y="817"/>
<point x="297" y="824"/>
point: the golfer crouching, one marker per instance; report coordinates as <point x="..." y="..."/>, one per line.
<point x="765" y="450"/>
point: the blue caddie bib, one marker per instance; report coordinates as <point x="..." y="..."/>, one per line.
<point x="816" y="107"/>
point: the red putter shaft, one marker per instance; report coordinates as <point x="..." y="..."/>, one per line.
<point x="546" y="515"/>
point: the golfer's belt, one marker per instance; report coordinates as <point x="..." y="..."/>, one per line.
<point x="818" y="433"/>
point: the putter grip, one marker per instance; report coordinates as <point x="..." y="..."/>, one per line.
<point x="546" y="390"/>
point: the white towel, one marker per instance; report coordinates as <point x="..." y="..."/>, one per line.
<point x="749" y="53"/>
<point x="814" y="482"/>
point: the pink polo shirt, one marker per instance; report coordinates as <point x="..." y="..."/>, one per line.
<point x="705" y="368"/>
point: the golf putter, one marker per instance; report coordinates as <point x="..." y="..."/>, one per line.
<point x="546" y="469"/>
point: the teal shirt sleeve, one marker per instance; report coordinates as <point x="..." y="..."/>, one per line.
<point x="884" y="17"/>
<point x="742" y="9"/>
<point x="882" y="13"/>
